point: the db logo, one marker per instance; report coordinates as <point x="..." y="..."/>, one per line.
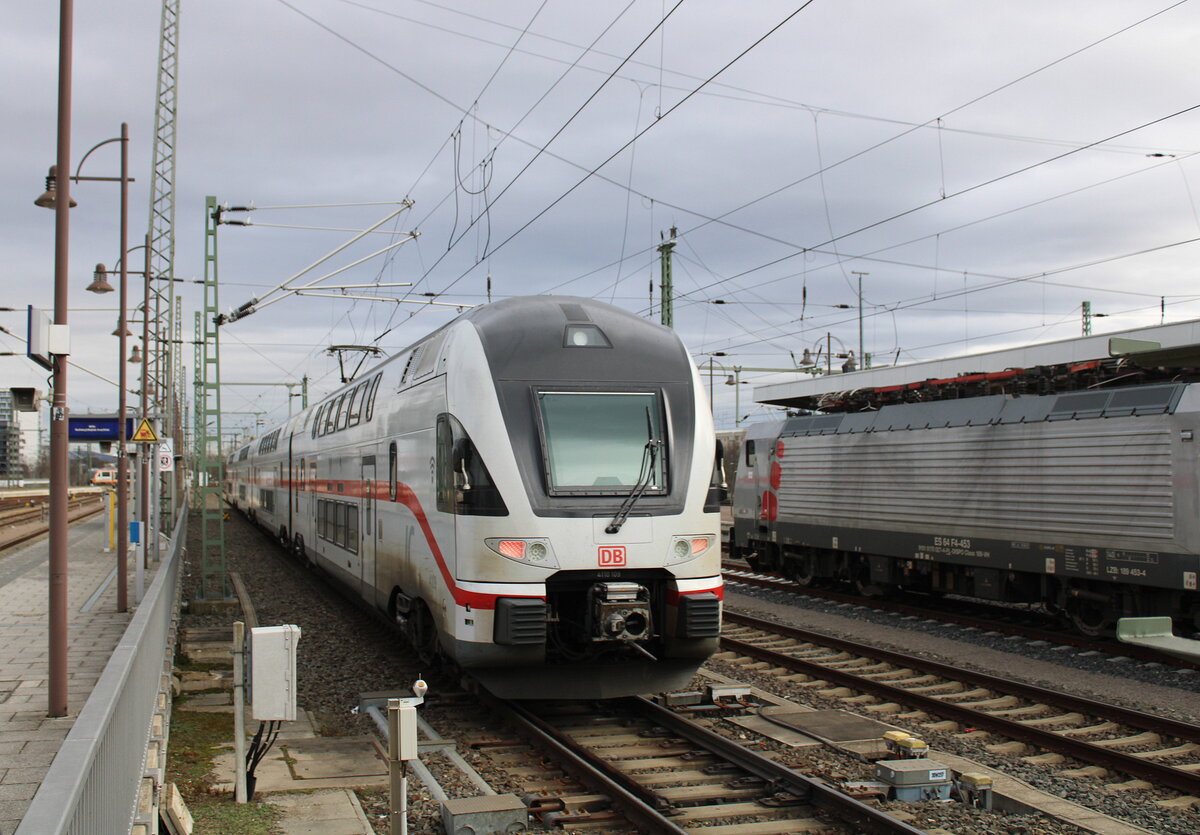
<point x="611" y="556"/>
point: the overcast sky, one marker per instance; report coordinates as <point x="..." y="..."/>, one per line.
<point x="989" y="166"/>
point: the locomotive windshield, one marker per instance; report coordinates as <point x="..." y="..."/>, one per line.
<point x="595" y="442"/>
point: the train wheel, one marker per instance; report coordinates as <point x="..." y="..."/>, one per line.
<point x="1089" y="619"/>
<point x="422" y="632"/>
<point x="300" y="551"/>
<point x="801" y="571"/>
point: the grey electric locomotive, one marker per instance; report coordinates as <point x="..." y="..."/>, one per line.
<point x="1085" y="501"/>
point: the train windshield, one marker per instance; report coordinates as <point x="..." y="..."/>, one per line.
<point x="597" y="443"/>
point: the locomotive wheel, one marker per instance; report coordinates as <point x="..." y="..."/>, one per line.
<point x="422" y="632"/>
<point x="1089" y="619"/>
<point x="801" y="571"/>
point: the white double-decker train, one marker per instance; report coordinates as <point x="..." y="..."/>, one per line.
<point x="531" y="491"/>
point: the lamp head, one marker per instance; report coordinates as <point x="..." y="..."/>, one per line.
<point x="420" y="688"/>
<point x="135" y="356"/>
<point x="100" y="281"/>
<point x="49" y="198"/>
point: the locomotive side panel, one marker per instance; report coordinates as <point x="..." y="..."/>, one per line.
<point x="1086" y="500"/>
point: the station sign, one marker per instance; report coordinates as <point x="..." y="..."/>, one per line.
<point x="97" y="428"/>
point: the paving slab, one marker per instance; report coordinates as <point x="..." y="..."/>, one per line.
<point x="324" y="812"/>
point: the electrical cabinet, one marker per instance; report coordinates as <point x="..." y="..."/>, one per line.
<point x="273" y="672"/>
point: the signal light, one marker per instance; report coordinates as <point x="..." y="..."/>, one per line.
<point x="684" y="548"/>
<point x="514" y="549"/>
<point x="532" y="551"/>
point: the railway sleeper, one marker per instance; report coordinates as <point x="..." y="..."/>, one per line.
<point x="675" y="778"/>
<point x="1185" y="749"/>
<point x="1089" y="730"/>
<point x="694" y="795"/>
<point x="1073" y="720"/>
<point x="1030" y="712"/>
<point x="653" y="763"/>
<point x="1144" y="738"/>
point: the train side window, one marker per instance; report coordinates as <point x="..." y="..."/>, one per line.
<point x="370" y="409"/>
<point x="392" y="471"/>
<point x="329" y="421"/>
<point x="321" y="518"/>
<point x="352" y="528"/>
<point x="299" y="485"/>
<point x="316" y="423"/>
<point x="354" y="410"/>
<point x="751" y="458"/>
<point x="344" y="411"/>
<point x="445" y="474"/>
<point x="463" y="483"/>
<point x="339" y="523"/>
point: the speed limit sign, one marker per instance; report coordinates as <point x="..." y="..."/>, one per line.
<point x="166" y="457"/>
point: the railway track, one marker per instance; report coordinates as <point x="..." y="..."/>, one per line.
<point x="1160" y="751"/>
<point x="665" y="773"/>
<point x="15" y="522"/>
<point x="738" y="574"/>
<point x="632" y="765"/>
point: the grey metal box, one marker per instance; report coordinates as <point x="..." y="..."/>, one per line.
<point x="930" y="791"/>
<point x="485" y="815"/>
<point x="918" y="772"/>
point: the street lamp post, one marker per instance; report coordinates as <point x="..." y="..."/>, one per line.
<point x="58" y="197"/>
<point x="101" y="286"/>
<point x="59" y="484"/>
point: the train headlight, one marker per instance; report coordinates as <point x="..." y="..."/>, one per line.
<point x="537" y="552"/>
<point x="684" y="548"/>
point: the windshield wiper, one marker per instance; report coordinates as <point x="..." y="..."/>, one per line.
<point x="650" y="454"/>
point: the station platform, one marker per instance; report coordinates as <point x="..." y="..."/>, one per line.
<point x="29" y="739"/>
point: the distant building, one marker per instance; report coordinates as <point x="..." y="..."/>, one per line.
<point x="11" y="463"/>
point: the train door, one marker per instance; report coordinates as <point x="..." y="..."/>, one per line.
<point x="369" y="528"/>
<point x="291" y="493"/>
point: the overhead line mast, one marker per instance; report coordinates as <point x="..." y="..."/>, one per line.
<point x="164" y="362"/>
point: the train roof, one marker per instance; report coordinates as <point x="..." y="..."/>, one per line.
<point x="1122" y="357"/>
<point x="520" y="346"/>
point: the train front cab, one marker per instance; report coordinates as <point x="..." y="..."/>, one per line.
<point x="604" y="595"/>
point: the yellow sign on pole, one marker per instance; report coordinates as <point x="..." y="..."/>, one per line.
<point x="145" y="433"/>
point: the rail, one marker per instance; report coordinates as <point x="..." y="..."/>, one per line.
<point x="95" y="780"/>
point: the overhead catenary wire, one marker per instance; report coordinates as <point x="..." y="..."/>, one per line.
<point x="959" y="193"/>
<point x="751" y="96"/>
<point x="638" y="136"/>
<point x="952" y="270"/>
<point x="720" y="219"/>
<point x="1020" y="279"/>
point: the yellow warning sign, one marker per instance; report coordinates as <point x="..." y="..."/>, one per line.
<point x="145" y="433"/>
